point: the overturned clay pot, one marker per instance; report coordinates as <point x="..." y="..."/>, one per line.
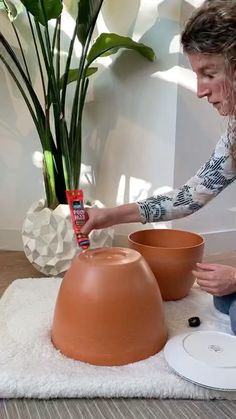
<point x="172" y="255"/>
<point x="109" y="309"/>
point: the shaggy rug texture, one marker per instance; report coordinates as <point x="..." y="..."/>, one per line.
<point x="31" y="367"/>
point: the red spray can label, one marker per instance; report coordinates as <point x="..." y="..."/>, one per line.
<point x="75" y="201"/>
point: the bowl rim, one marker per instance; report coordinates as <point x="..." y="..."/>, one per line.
<point x="202" y="242"/>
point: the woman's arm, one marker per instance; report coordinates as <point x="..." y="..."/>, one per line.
<point x="215" y="175"/>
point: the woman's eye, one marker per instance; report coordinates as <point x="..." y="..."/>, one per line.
<point x="209" y="76"/>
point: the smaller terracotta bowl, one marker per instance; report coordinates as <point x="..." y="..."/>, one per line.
<point x="172" y="255"/>
<point x="109" y="309"/>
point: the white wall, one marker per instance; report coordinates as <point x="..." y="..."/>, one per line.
<point x="141" y="119"/>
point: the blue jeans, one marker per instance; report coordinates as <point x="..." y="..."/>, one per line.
<point x="227" y="305"/>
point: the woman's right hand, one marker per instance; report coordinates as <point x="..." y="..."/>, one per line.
<point x="106" y="217"/>
<point x="97" y="218"/>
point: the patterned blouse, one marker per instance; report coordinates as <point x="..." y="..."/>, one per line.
<point x="214" y="176"/>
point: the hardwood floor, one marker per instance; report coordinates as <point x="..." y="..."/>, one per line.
<point x="224" y="258"/>
<point x="15" y="265"/>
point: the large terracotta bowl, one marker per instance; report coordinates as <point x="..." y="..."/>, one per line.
<point x="109" y="309"/>
<point x="172" y="255"/>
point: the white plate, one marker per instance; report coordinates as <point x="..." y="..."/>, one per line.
<point x="205" y="358"/>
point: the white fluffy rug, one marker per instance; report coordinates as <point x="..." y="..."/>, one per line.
<point x="31" y="367"/>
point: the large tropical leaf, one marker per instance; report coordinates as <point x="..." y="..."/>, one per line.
<point x="8" y="7"/>
<point x="73" y="75"/>
<point x="52" y="8"/>
<point x="87" y="14"/>
<point x="108" y="43"/>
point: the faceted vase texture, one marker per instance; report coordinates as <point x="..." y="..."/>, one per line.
<point x="48" y="238"/>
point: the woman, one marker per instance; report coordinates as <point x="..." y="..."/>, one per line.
<point x="209" y="40"/>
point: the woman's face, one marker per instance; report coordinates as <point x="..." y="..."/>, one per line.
<point x="212" y="81"/>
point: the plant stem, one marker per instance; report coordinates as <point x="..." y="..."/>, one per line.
<point x="78" y="102"/>
<point x="54" y="37"/>
<point x="50" y="59"/>
<point x="67" y="67"/>
<point x="22" y="52"/>
<point x="38" y="57"/>
<point x="77" y="146"/>
<point x="58" y="54"/>
<point x="54" y="94"/>
<point x="66" y="161"/>
<point x="50" y="95"/>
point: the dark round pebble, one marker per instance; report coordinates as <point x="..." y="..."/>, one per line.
<point x="194" y="321"/>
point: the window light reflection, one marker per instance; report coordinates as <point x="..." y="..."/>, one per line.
<point x="138" y="189"/>
<point x="121" y="191"/>
<point x="37" y="159"/>
<point x="179" y="75"/>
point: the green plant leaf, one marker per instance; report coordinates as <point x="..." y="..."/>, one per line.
<point x="8" y="7"/>
<point x="109" y="43"/>
<point x="87" y="15"/>
<point x="73" y="75"/>
<point x="49" y="177"/>
<point x="53" y="9"/>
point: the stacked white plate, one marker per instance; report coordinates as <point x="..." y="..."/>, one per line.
<point x="204" y="358"/>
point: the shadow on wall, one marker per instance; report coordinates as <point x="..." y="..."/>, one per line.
<point x="21" y="24"/>
<point x="117" y="100"/>
<point x="17" y="132"/>
<point x="121" y="16"/>
<point x="15" y="156"/>
<point x="10" y="148"/>
<point x="19" y="139"/>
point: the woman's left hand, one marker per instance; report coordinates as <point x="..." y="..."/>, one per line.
<point x="216" y="279"/>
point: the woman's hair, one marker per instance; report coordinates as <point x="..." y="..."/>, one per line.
<point x="212" y="30"/>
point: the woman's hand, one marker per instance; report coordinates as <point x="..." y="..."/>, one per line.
<point x="97" y="218"/>
<point x="106" y="217"/>
<point x="216" y="279"/>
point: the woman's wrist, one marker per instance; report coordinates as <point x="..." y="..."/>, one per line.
<point x="128" y="213"/>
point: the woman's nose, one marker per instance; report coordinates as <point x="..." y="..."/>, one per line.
<point x="202" y="90"/>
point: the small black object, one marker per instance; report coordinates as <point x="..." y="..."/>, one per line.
<point x="194" y="321"/>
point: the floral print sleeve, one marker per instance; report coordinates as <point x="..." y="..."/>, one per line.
<point x="215" y="175"/>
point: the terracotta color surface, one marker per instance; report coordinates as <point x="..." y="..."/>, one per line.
<point x="171" y="254"/>
<point x="109" y="309"/>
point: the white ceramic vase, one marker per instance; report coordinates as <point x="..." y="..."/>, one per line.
<point x="48" y="238"/>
